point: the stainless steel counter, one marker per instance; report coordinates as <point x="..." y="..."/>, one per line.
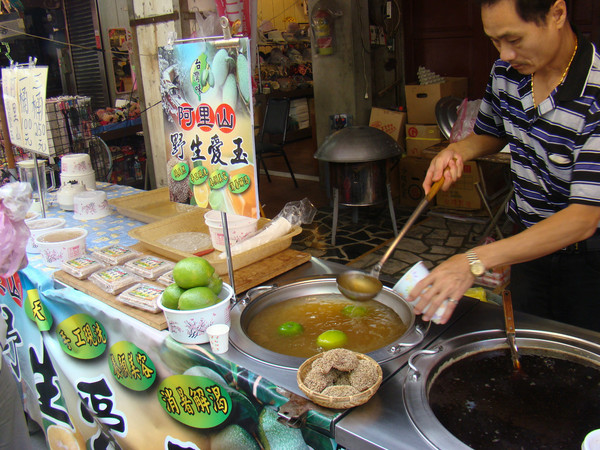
<point x="384" y="422"/>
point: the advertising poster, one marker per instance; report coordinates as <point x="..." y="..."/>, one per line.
<point x="207" y="103"/>
<point x="24" y="92"/>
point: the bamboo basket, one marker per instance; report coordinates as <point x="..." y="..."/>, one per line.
<point x="329" y="401"/>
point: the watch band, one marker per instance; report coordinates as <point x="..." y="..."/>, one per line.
<point x="476" y="266"/>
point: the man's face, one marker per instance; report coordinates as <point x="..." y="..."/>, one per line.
<point x="527" y="46"/>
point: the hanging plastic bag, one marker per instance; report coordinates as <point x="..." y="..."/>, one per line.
<point x="208" y="24"/>
<point x="15" y="201"/>
<point x="465" y="122"/>
<point x="322" y="18"/>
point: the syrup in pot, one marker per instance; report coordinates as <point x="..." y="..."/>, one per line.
<point x="378" y="326"/>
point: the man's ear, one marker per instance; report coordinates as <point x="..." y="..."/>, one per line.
<point x="557" y="15"/>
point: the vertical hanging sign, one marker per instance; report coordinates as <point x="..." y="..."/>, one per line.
<point x="24" y="92"/>
<point x="206" y="95"/>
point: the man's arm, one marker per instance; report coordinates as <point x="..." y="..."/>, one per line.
<point x="453" y="277"/>
<point x="450" y="161"/>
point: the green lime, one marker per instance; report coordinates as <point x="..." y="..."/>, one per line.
<point x="192" y="272"/>
<point x="170" y="297"/>
<point x="215" y="283"/>
<point x="332" y="339"/>
<point x="354" y="311"/>
<point x="290" y="329"/>
<point x="197" y="298"/>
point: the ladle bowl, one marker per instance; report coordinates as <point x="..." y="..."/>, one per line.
<point x="358" y="285"/>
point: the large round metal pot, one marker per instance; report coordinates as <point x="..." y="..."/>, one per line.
<point x="360" y="183"/>
<point x="262" y="297"/>
<point x="425" y="367"/>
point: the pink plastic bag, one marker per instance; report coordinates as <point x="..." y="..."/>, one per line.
<point x="465" y="122"/>
<point x="15" y="200"/>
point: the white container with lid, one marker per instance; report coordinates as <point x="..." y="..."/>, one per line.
<point x="89" y="205"/>
<point x="239" y="227"/>
<point x="76" y="164"/>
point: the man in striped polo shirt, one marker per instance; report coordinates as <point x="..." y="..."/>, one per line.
<point x="543" y="100"/>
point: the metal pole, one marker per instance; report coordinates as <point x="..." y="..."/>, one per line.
<point x="38" y="180"/>
<point x="228" y="252"/>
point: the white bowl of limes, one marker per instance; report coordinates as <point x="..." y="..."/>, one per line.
<point x="197" y="300"/>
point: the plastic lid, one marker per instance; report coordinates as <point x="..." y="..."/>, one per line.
<point x="28" y="163"/>
<point x="213" y="215"/>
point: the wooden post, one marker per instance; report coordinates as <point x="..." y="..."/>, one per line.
<point x="10" y="157"/>
<point x="151" y="22"/>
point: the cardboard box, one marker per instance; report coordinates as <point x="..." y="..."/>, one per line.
<point x="392" y="122"/>
<point x="412" y="173"/>
<point x="492" y="177"/>
<point x="462" y="194"/>
<point x="421" y="99"/>
<point x="415" y="146"/>
<point x="419" y="131"/>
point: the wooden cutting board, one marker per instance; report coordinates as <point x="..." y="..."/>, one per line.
<point x="245" y="278"/>
<point x="256" y="273"/>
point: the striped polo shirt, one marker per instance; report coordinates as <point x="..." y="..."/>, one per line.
<point x="555" y="149"/>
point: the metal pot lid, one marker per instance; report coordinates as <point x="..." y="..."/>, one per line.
<point x="446" y="113"/>
<point x="358" y="144"/>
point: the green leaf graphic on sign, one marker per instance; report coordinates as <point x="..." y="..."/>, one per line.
<point x="131" y="366"/>
<point x="195" y="401"/>
<point x="180" y="171"/>
<point x="218" y="179"/>
<point x="81" y="336"/>
<point x="198" y="175"/>
<point x="37" y="311"/>
<point x="239" y="183"/>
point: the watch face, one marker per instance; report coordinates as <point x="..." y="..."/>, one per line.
<point x="477" y="268"/>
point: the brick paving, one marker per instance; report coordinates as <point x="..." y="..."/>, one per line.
<point x="361" y="243"/>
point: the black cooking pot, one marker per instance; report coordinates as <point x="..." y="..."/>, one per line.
<point x="466" y="391"/>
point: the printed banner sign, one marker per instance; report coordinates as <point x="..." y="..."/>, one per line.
<point x="24" y="92"/>
<point x="195" y="401"/>
<point x="131" y="366"/>
<point x="82" y="336"/>
<point x="37" y="311"/>
<point x="207" y="103"/>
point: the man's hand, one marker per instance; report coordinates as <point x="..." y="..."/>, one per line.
<point x="449" y="281"/>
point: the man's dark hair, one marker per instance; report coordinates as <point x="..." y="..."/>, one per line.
<point x="528" y="10"/>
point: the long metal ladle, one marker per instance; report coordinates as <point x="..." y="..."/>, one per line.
<point x="360" y="286"/>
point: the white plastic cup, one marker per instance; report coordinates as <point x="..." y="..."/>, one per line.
<point x="189" y="326"/>
<point x="591" y="441"/>
<point x="218" y="336"/>
<point x="405" y="284"/>
<point x="239" y="227"/>
<point x="415" y="274"/>
<point x="40" y="226"/>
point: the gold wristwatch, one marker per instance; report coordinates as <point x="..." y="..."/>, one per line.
<point x="476" y="266"/>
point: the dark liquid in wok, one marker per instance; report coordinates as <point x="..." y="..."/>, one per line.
<point x="551" y="403"/>
<point x="379" y="326"/>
